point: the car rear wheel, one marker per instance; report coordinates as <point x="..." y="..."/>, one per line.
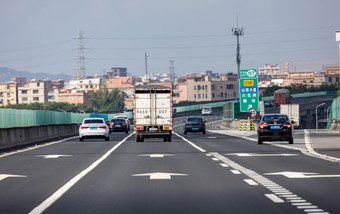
<point x="204" y="132"/>
<point x="81" y="139"/>
<point x="291" y="141"/>
<point x="259" y="141"/>
<point x="107" y="138"/>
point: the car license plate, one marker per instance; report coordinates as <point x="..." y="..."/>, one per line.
<point x="275" y="127"/>
<point x="93" y="128"/>
<point x="195" y="129"/>
<point x="118" y="125"/>
<point x="153" y="129"/>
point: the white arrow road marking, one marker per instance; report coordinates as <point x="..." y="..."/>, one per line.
<point x="259" y="155"/>
<point x="160" y="175"/>
<point x="156" y="155"/>
<point x="53" y="156"/>
<point x="4" y="176"/>
<point x="302" y="175"/>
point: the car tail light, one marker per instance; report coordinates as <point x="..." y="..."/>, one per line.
<point x="288" y="125"/>
<point x="262" y="125"/>
<point x="202" y="123"/>
<point x="102" y="127"/>
<point x="187" y="123"/>
<point x="124" y="124"/>
<point x="84" y="127"/>
<point x="112" y="124"/>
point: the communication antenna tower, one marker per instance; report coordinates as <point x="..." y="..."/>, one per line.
<point x="81" y="56"/>
<point x="172" y="71"/>
<point x="238" y="32"/>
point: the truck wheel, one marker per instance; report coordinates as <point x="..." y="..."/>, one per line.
<point x="165" y="138"/>
<point x="169" y="138"/>
<point x="137" y="138"/>
<point x="141" y="138"/>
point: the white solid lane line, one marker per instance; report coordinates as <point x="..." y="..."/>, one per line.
<point x="61" y="191"/>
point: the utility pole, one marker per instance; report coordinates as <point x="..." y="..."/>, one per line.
<point x="146" y="68"/>
<point x="172" y="70"/>
<point x="238" y="32"/>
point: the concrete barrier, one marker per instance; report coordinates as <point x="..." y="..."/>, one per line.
<point x="18" y="136"/>
<point x="335" y="125"/>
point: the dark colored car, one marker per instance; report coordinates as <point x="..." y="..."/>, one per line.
<point x="194" y="124"/>
<point x="275" y="127"/>
<point x="118" y="125"/>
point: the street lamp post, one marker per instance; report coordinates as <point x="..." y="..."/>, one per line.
<point x="316" y="115"/>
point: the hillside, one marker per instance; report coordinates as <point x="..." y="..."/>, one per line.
<point x="6" y="74"/>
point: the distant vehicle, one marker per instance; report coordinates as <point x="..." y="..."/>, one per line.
<point x="269" y="104"/>
<point x="282" y="96"/>
<point x="194" y="124"/>
<point x="94" y="128"/>
<point x="119" y="125"/>
<point x="293" y="112"/>
<point x="126" y="119"/>
<point x="206" y="111"/>
<point x="153" y="115"/>
<point x="275" y="127"/>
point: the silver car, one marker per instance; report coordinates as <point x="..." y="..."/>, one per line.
<point x="94" y="128"/>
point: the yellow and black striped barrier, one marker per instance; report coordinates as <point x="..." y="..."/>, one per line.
<point x="247" y="126"/>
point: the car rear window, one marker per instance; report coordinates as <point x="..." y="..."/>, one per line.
<point x="275" y="118"/>
<point x="117" y="121"/>
<point x="194" y="119"/>
<point x="93" y="121"/>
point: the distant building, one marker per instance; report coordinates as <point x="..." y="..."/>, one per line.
<point x="34" y="91"/>
<point x="93" y="84"/>
<point x="20" y="81"/>
<point x="8" y="94"/>
<point x="117" y="72"/>
<point x="73" y="96"/>
<point x="204" y="88"/>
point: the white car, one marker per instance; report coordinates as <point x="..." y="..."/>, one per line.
<point x="125" y="118"/>
<point x="94" y="128"/>
<point x="206" y="111"/>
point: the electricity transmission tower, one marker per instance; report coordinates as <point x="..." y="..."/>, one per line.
<point x="81" y="56"/>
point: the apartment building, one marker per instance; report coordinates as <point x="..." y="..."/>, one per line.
<point x="117" y="72"/>
<point x="8" y="94"/>
<point x="73" y="96"/>
<point x="204" y="88"/>
<point x="93" y="84"/>
<point x="34" y="91"/>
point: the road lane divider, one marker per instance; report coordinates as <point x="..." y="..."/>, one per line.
<point x="62" y="190"/>
<point x="259" y="179"/>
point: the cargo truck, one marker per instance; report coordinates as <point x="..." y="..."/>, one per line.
<point x="282" y="96"/>
<point x="292" y="110"/>
<point x="153" y="116"/>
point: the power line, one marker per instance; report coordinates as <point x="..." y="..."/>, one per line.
<point x="35" y="47"/>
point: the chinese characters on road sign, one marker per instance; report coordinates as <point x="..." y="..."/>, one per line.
<point x="249" y="95"/>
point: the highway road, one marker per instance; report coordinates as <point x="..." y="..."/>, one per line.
<point x="195" y="173"/>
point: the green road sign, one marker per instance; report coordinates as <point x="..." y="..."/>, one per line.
<point x="249" y="90"/>
<point x="249" y="73"/>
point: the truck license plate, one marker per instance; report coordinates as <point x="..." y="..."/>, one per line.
<point x="153" y="129"/>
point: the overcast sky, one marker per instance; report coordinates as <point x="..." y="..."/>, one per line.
<point x="39" y="35"/>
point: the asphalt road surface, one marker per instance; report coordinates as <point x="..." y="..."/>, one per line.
<point x="195" y="173"/>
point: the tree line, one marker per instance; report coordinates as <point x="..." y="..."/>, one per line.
<point x="102" y="101"/>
